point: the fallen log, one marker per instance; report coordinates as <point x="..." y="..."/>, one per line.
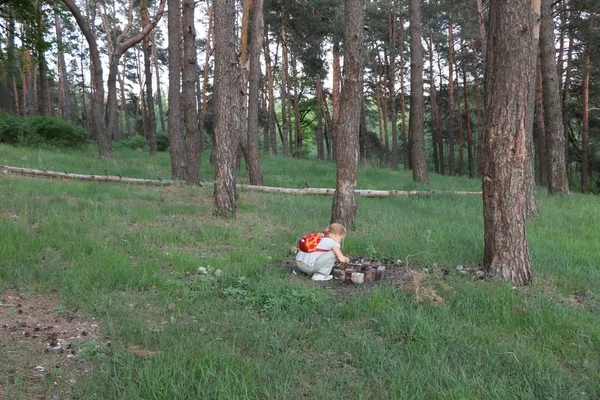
<point x="165" y="182"/>
<point x="100" y="178"/>
<point x="360" y="192"/>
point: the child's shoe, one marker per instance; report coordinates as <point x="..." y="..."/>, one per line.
<point x="319" y="277"/>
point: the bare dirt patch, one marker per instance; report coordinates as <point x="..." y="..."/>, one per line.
<point x="43" y="347"/>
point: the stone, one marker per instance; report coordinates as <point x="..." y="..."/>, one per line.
<point x="358" y="277"/>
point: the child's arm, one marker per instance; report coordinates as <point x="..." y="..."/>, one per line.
<point x="341" y="257"/>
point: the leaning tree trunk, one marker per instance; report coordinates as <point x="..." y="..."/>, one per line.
<point x="227" y="107"/>
<point x="508" y="76"/>
<point x="347" y="127"/>
<point x="558" y="182"/>
<point x="416" y="123"/>
<point x="65" y="99"/>
<point x="189" y="74"/>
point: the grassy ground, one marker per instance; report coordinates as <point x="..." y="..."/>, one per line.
<point x="129" y="255"/>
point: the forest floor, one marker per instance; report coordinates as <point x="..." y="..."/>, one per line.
<point x="43" y="346"/>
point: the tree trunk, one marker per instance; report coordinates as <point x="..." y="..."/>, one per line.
<point x="435" y="125"/>
<point x="176" y="137"/>
<point x="416" y="124"/>
<point x="124" y="113"/>
<point x="470" y="161"/>
<point x="541" y="130"/>
<point x="335" y="94"/>
<point x="97" y="125"/>
<point x="403" y="131"/>
<point x="271" y="93"/>
<point x="508" y="78"/>
<point x="320" y="147"/>
<point x="482" y="34"/>
<point x="557" y="167"/>
<point x="159" y="97"/>
<point x="585" y="133"/>
<point x="209" y="36"/>
<point x="284" y="91"/>
<point x="257" y="33"/>
<point x="123" y="42"/>
<point x="345" y="206"/>
<point x="151" y="121"/>
<point x="189" y="74"/>
<point x="12" y="103"/>
<point x="65" y="99"/>
<point x="451" y="117"/>
<point x="392" y="84"/>
<point x="227" y="107"/>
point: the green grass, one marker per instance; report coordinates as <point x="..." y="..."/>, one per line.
<point x="128" y="255"/>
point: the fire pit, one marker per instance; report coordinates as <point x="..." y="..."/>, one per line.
<point x="358" y="271"/>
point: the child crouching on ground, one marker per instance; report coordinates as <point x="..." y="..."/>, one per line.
<point x="320" y="262"/>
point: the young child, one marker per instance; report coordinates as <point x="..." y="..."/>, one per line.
<point x="320" y="263"/>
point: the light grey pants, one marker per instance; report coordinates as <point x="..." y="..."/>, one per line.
<point x="323" y="265"/>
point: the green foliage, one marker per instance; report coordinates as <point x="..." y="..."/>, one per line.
<point x="162" y="142"/>
<point x="36" y="131"/>
<point x="136" y="142"/>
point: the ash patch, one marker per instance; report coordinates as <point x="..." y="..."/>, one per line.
<point x="44" y="347"/>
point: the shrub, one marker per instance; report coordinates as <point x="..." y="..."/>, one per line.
<point x="162" y="142"/>
<point x="136" y="142"/>
<point x="35" y="131"/>
<point x="11" y="128"/>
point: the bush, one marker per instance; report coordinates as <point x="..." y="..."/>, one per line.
<point x="54" y="131"/>
<point x="162" y="142"/>
<point x="11" y="128"/>
<point x="136" y="142"/>
<point x="35" y="131"/>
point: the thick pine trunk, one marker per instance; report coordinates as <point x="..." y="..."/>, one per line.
<point x="558" y="182"/>
<point x="257" y="33"/>
<point x="508" y="76"/>
<point x="176" y="138"/>
<point x="227" y="107"/>
<point x="189" y="74"/>
<point x="416" y="123"/>
<point x="345" y="205"/>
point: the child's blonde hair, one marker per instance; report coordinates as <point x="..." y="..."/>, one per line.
<point x="336" y="229"/>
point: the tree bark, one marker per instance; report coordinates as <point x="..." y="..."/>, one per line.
<point x="585" y="132"/>
<point x="176" y="137"/>
<point x="12" y="103"/>
<point x="319" y="90"/>
<point x="257" y="33"/>
<point x="227" y="107"/>
<point x="284" y="90"/>
<point x="345" y="206"/>
<point x="416" y="123"/>
<point x="271" y="94"/>
<point x="470" y="161"/>
<point x="189" y="75"/>
<point x="159" y="97"/>
<point x="541" y="143"/>
<point x="65" y="99"/>
<point x="451" y="117"/>
<point x="151" y="117"/>
<point x="97" y="125"/>
<point x="508" y="78"/>
<point x="558" y="183"/>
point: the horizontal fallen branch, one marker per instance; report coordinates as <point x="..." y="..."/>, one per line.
<point x="101" y="178"/>
<point x="164" y="182"/>
<point x="360" y="192"/>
